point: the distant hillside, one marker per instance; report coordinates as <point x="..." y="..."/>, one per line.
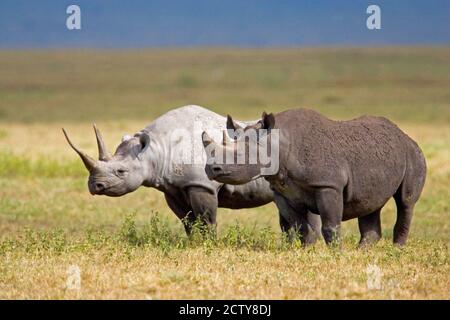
<point x="405" y="84"/>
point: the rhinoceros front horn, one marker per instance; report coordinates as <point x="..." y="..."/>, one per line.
<point x="89" y="162"/>
<point x="103" y="153"/>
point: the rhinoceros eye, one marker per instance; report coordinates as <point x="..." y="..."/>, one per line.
<point x="121" y="172"/>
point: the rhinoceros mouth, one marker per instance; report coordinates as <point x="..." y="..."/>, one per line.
<point x="219" y="175"/>
<point x="224" y="174"/>
<point x="104" y="191"/>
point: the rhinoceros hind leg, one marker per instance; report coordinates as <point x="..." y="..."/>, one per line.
<point x="405" y="212"/>
<point x="408" y="193"/>
<point x="370" y="228"/>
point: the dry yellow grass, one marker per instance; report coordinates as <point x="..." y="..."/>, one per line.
<point x="315" y="273"/>
<point x="38" y="268"/>
<point x="49" y="222"/>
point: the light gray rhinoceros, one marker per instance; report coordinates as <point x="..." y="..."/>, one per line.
<point x="168" y="155"/>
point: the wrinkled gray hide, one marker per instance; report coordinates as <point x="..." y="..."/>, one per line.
<point x="339" y="170"/>
<point x="154" y="157"/>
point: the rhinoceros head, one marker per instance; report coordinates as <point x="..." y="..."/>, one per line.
<point x="118" y="174"/>
<point x="237" y="161"/>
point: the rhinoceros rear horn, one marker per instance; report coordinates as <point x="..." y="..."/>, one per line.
<point x="89" y="162"/>
<point x="225" y="140"/>
<point x="103" y="153"/>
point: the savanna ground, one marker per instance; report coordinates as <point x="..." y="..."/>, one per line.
<point x="134" y="247"/>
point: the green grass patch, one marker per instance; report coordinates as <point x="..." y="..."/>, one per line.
<point x="404" y="84"/>
<point x="12" y="165"/>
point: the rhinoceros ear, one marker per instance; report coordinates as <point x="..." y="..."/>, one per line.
<point x="234" y="130"/>
<point x="268" y="121"/>
<point x="144" y="140"/>
<point x="206" y="139"/>
<point x="231" y="125"/>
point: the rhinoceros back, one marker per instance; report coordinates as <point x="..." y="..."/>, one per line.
<point x="177" y="139"/>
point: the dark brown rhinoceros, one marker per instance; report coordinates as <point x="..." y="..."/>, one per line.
<point x="338" y="169"/>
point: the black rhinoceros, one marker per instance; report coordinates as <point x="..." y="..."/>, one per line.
<point x="339" y="170"/>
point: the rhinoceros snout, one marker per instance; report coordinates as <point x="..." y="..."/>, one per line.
<point x="96" y="188"/>
<point x="217" y="170"/>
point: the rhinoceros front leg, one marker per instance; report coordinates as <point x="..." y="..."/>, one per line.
<point x="204" y="205"/>
<point x="330" y="205"/>
<point x="294" y="221"/>
<point x="315" y="222"/>
<point x="182" y="210"/>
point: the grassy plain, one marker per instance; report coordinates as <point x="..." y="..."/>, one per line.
<point x="133" y="246"/>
